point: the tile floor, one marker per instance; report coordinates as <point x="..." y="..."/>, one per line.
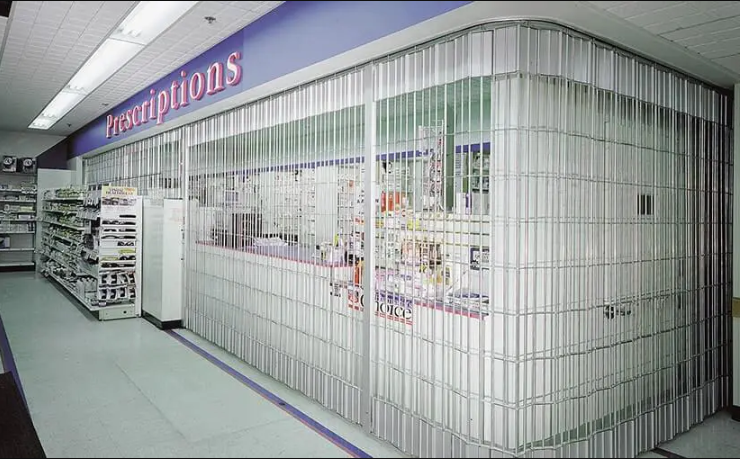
<point x="125" y="389"/>
<point x="717" y="436"/>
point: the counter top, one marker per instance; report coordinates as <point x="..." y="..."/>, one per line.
<point x="296" y="253"/>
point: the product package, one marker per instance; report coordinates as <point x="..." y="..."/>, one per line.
<point x="10" y="164"/>
<point x="4" y="242"/>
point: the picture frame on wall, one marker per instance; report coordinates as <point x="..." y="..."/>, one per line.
<point x="10" y="164"/>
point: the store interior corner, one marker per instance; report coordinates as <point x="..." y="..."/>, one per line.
<point x="369" y="229"/>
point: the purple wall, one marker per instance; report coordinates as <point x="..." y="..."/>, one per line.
<point x="293" y="36"/>
<point x="55" y="157"/>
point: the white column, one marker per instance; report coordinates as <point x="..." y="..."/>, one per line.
<point x="736" y="259"/>
<point x="75" y="165"/>
<point x="368" y="278"/>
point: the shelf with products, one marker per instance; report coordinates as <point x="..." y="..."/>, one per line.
<point x="430" y="242"/>
<point x="73" y="287"/>
<point x="7" y="193"/>
<point x="16" y="264"/>
<point x="89" y="241"/>
<point x="62" y="259"/>
<point x="64" y="234"/>
<point x="61" y="236"/>
<point x="17" y="220"/>
<point x="70" y="224"/>
<point x="114" y="255"/>
<point x="17" y="226"/>
<point x="18" y="211"/>
<point x="18" y="200"/>
<point x="12" y="187"/>
<point x="62" y="210"/>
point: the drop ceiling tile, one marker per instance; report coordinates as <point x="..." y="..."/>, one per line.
<point x="731" y="9"/>
<point x="663" y="15"/>
<point x="709" y="29"/>
<point x="702" y="29"/>
<point x="64" y="34"/>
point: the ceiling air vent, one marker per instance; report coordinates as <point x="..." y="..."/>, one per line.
<point x="4" y="9"/>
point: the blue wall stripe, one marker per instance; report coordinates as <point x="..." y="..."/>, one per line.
<point x="6" y="354"/>
<point x="472" y="148"/>
<point x="314" y="425"/>
<point x="293" y="36"/>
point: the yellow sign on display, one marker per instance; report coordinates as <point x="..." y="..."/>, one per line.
<point x="113" y="191"/>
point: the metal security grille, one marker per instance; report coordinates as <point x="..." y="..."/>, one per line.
<point x="153" y="165"/>
<point x="512" y="241"/>
<point x="266" y="186"/>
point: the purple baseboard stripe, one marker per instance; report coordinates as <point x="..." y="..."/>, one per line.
<point x="8" y="362"/>
<point x="666" y="453"/>
<point x="312" y="424"/>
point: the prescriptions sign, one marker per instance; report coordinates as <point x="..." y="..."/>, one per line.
<point x="181" y="92"/>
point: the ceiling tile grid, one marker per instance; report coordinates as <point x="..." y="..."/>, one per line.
<point x="711" y="29"/>
<point x="48" y="41"/>
<point x="188" y="38"/>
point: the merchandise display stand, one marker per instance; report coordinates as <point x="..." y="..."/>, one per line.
<point x="17" y="216"/>
<point x="90" y="243"/>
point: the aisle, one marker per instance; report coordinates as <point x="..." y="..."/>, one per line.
<point x="125" y="389"/>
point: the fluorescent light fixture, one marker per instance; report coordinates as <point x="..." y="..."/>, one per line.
<point x="59" y="106"/>
<point x="41" y="123"/>
<point x="149" y="19"/>
<point x="105" y="61"/>
<point x="144" y="24"/>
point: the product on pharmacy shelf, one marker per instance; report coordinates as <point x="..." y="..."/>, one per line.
<point x="25" y="188"/>
<point x="331" y="252"/>
<point x="86" y="287"/>
<point x="90" y="246"/>
<point x="115" y="241"/>
<point x="17" y="220"/>
<point x="71" y="193"/>
<point x="17" y="227"/>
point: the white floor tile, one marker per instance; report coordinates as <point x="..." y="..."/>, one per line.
<point x="717" y="436"/>
<point x="125" y="389"/>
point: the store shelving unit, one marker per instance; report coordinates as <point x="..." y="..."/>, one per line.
<point x="17" y="220"/>
<point x="90" y="245"/>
